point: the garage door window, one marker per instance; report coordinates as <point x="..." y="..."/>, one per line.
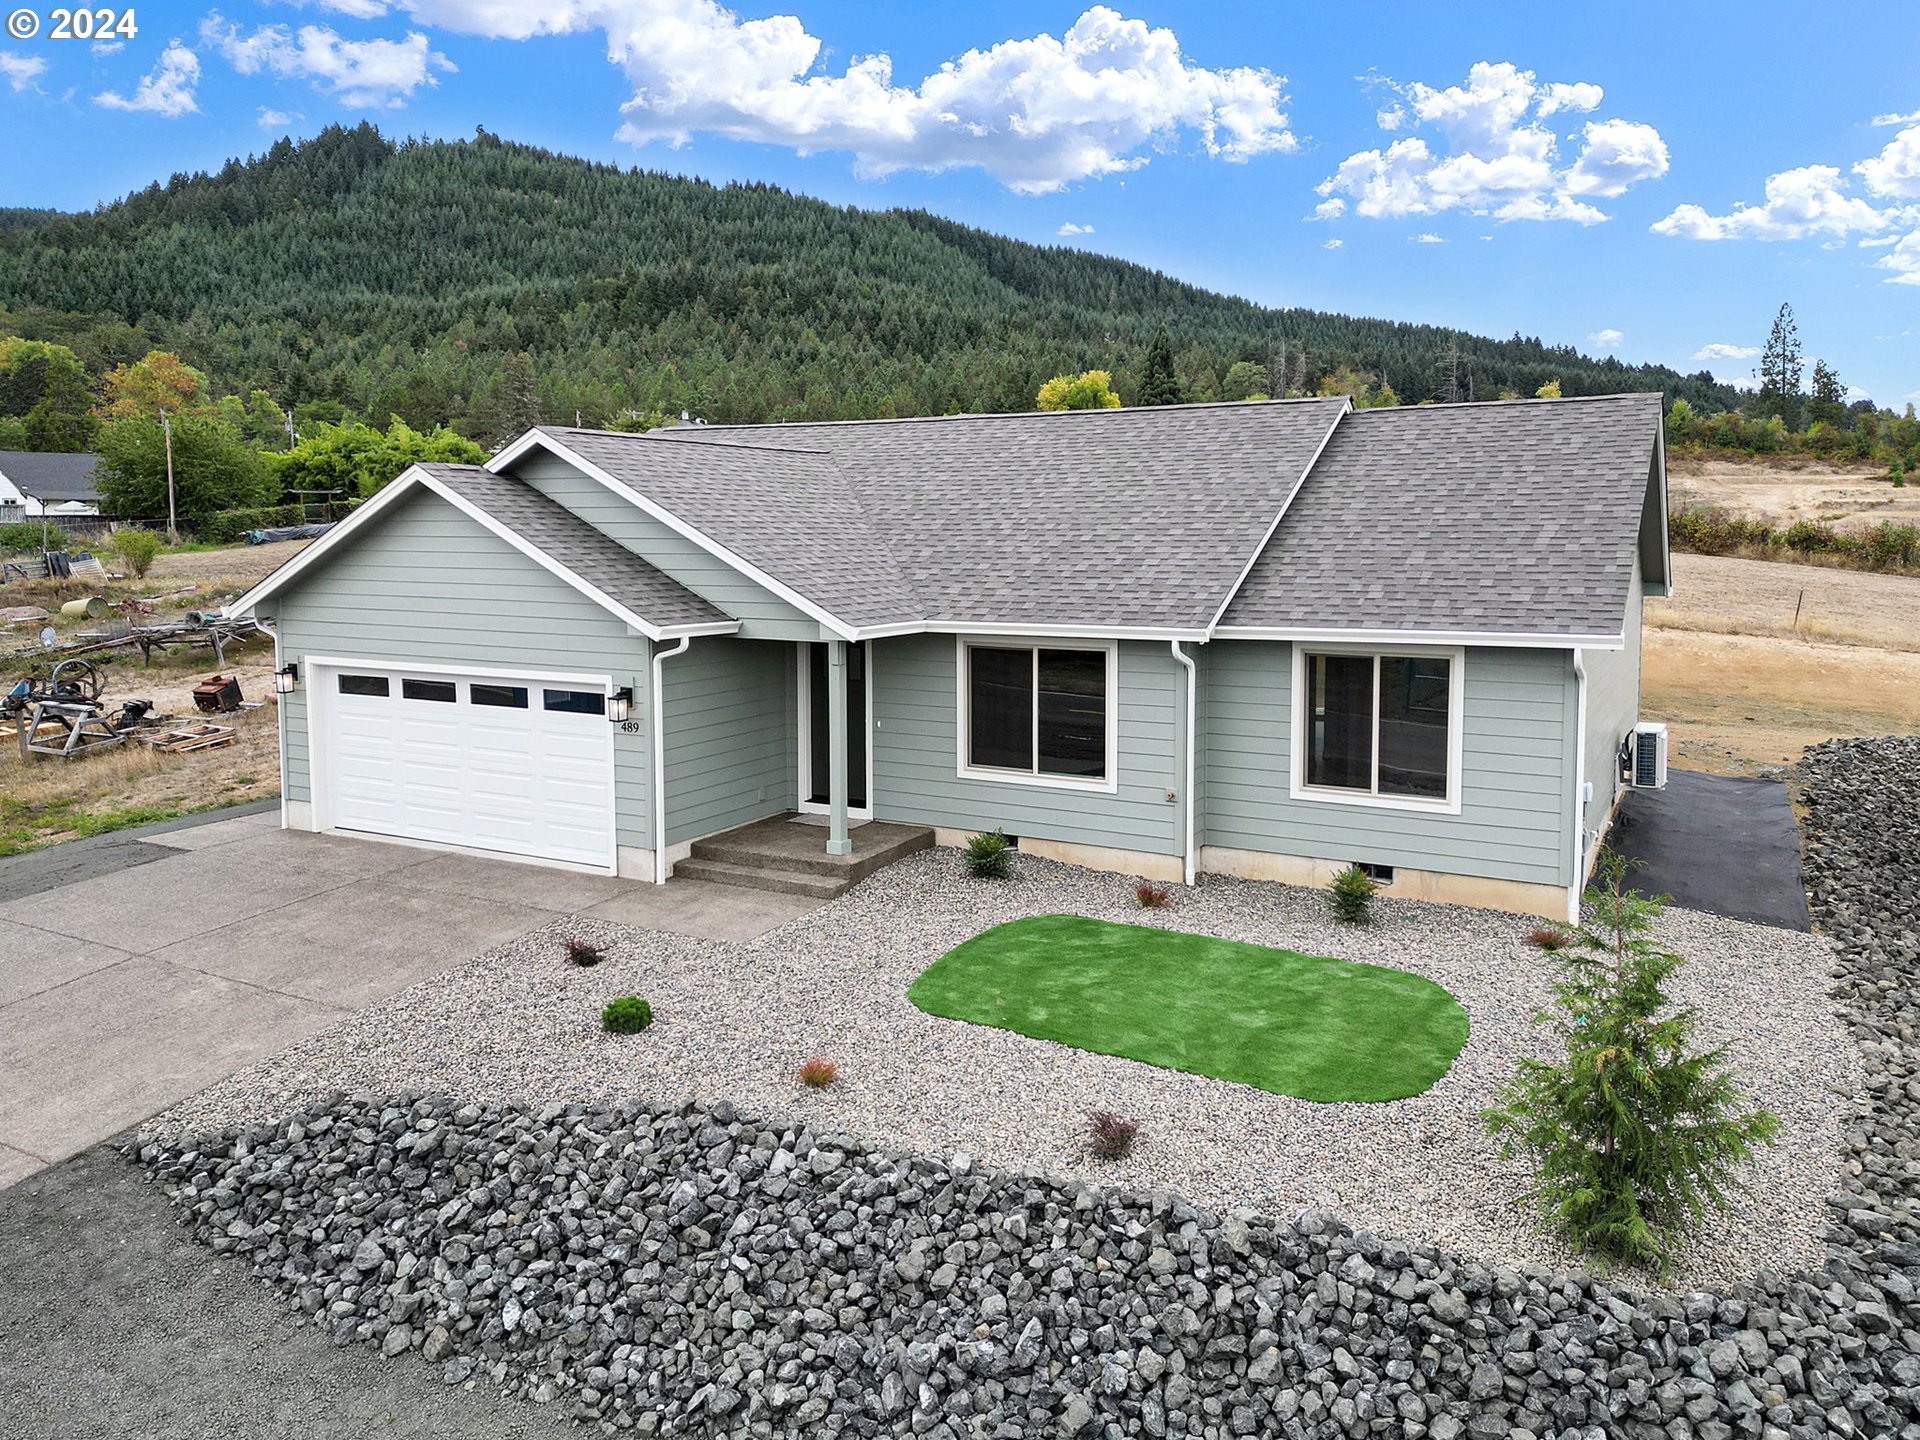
<point x="442" y="691"/>
<point x="363" y="685"/>
<point x="506" y="697"/>
<point x="575" y="702"/>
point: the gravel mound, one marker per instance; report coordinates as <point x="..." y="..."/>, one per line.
<point x="733" y="1021"/>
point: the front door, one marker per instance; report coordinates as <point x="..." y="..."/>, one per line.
<point x="813" y="710"/>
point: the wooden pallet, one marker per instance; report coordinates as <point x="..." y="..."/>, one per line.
<point x="181" y="739"/>
<point x="10" y="729"/>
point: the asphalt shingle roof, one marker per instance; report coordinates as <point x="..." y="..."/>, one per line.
<point x="1138" y="518"/>
<point x="598" y="559"/>
<point x="49" y="477"/>
<point x="1504" y="518"/>
<point x="790" y="512"/>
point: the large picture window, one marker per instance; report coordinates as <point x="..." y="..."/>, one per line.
<point x="1379" y="727"/>
<point x="1041" y="712"/>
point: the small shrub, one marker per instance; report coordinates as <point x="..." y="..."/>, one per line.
<point x="1548" y="938"/>
<point x="626" y="1016"/>
<point x="818" y="1072"/>
<point x="1111" y="1136"/>
<point x="1634" y="1134"/>
<point x="136" y="549"/>
<point x="989" y="856"/>
<point x="1152" y="896"/>
<point x="1350" y="896"/>
<point x="584" y="953"/>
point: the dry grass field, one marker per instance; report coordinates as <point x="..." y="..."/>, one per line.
<point x="45" y="800"/>
<point x="1781" y="491"/>
<point x="1752" y="660"/>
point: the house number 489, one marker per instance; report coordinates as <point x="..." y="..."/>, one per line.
<point x="629" y="727"/>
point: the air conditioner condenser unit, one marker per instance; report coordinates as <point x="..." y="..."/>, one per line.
<point x="1647" y="756"/>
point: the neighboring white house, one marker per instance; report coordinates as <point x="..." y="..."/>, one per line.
<point x="35" y="483"/>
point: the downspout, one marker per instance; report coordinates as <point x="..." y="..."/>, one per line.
<point x="280" y="719"/>
<point x="1577" y="875"/>
<point x="658" y="726"/>
<point x="1190" y="861"/>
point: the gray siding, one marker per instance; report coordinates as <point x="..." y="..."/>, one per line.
<point x="915" y="750"/>
<point x="1513" y="823"/>
<point x="731" y="731"/>
<point x="427" y="585"/>
<point x="1613" y="705"/>
<point x="762" y="614"/>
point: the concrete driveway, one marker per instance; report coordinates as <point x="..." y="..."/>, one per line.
<point x="139" y="978"/>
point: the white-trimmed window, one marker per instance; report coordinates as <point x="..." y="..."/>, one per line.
<point x="1378" y="727"/>
<point x="1038" y="712"/>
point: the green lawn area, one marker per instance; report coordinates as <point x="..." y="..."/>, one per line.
<point x="1294" y="1024"/>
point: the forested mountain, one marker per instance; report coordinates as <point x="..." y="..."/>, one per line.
<point x="350" y="275"/>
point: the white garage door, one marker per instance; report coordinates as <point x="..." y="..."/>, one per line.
<point x="490" y="762"/>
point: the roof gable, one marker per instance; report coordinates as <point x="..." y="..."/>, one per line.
<point x="552" y="536"/>
<point x="1499" y="519"/>
<point x="51" y="476"/>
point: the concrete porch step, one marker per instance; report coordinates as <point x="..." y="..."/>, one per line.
<point x="790" y="857"/>
<point x="751" y="877"/>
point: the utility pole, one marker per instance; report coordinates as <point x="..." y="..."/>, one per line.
<point x="173" y="528"/>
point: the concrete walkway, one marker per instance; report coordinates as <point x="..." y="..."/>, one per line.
<point x="142" y="978"/>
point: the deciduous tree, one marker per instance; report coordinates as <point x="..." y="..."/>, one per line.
<point x="1089" y="390"/>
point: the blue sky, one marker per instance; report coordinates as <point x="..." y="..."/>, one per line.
<point x="1654" y="185"/>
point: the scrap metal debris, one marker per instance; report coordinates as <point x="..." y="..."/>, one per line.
<point x="63" y="715"/>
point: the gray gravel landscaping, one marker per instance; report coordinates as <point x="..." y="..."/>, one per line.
<point x="681" y="1270"/>
<point x="735" y="1020"/>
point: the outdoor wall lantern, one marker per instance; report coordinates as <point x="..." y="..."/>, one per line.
<point x="286" y="679"/>
<point x="620" y="705"/>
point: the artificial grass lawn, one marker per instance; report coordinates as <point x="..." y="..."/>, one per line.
<point x="1299" y="1025"/>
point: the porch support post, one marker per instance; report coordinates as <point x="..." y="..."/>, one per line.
<point x="839" y="842"/>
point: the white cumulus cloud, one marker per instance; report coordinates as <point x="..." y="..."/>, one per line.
<point x="1912" y="117"/>
<point x="1427" y="237"/>
<point x="1606" y="339"/>
<point x="1810" y="200"/>
<point x="1720" y="350"/>
<point x="1494" y="156"/>
<point x="361" y="73"/>
<point x="1895" y="172"/>
<point x="1333" y="244"/>
<point x="1903" y="260"/>
<point x="21" y="71"/>
<point x="1068" y="227"/>
<point x="1037" y="114"/>
<point x="271" y="119"/>
<point x="165" y="90"/>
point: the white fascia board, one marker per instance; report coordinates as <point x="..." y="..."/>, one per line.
<point x="1285" y="505"/>
<point x="540" y="439"/>
<point x="405" y="481"/>
<point x="1494" y="640"/>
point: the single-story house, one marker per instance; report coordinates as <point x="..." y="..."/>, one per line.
<point x="35" y="483"/>
<point x="1266" y="639"/>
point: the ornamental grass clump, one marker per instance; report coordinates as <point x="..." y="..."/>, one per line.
<point x="1550" y="938"/>
<point x="584" y="953"/>
<point x="628" y="1015"/>
<point x="1350" y="896"/>
<point x="1152" y="896"/>
<point x="818" y="1072"/>
<point x="1633" y="1135"/>
<point x="1111" y="1136"/>
<point x="989" y="856"/>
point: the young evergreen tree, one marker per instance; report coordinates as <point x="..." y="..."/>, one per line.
<point x="1828" y="402"/>
<point x="1782" y="364"/>
<point x="1159" y="384"/>
<point x="1633" y="1135"/>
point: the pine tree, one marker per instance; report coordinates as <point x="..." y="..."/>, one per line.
<point x="1159" y="385"/>
<point x="516" y="408"/>
<point x="1782" y="364"/>
<point x="1828" y="403"/>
